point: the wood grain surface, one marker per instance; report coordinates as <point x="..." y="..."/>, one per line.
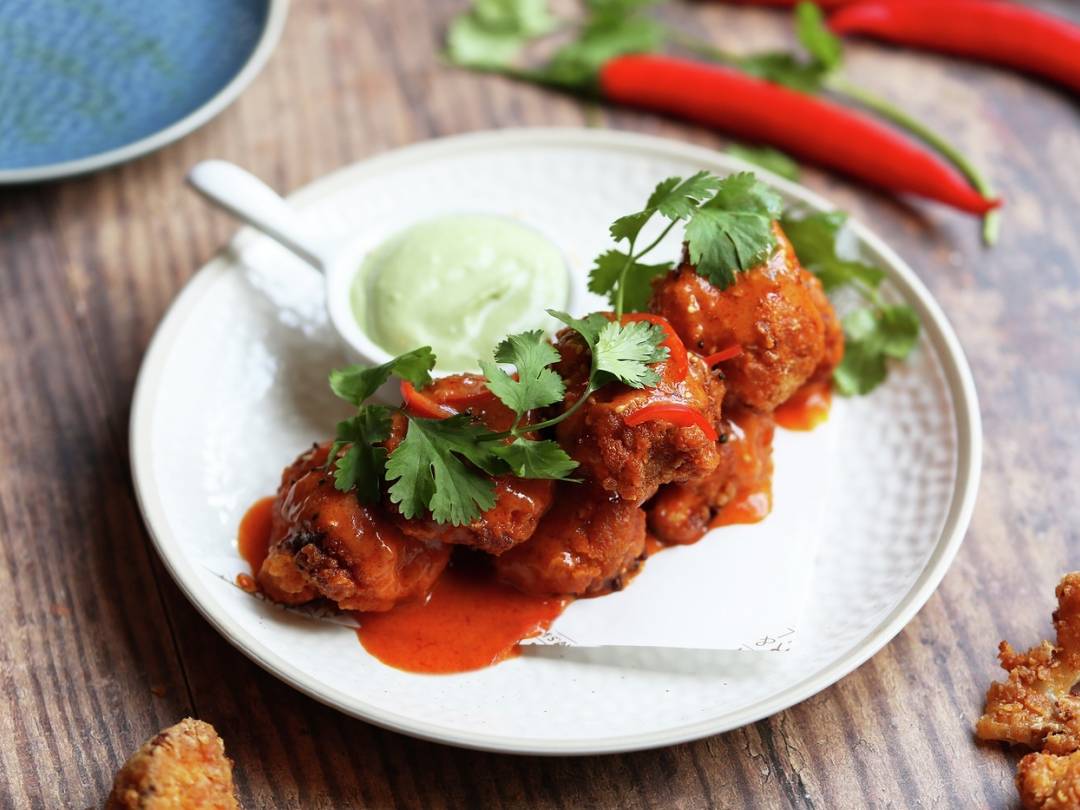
<point x="98" y="649"/>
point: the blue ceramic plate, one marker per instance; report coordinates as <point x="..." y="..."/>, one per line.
<point x="85" y="84"/>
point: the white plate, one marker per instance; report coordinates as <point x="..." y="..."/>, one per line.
<point x="233" y="386"/>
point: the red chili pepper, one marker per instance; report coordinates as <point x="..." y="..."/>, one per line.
<point x="724" y="354"/>
<point x="675" y="412"/>
<point x="420" y="404"/>
<point x="1009" y="34"/>
<point x="677" y="365"/>
<point x="819" y="130"/>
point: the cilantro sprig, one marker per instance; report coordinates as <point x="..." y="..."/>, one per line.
<point x="728" y="230"/>
<point x="873" y="334"/>
<point x="444" y="466"/>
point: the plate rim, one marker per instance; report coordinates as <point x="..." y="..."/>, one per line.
<point x="276" y="14"/>
<point x="955" y="368"/>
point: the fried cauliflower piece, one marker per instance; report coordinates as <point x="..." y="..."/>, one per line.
<point x="324" y="542"/>
<point x="775" y="312"/>
<point x="1049" y="782"/>
<point x="634" y="461"/>
<point x="680" y="514"/>
<point x="1035" y="706"/>
<point x="519" y="502"/>
<point x="183" y="767"/>
<point x="589" y="543"/>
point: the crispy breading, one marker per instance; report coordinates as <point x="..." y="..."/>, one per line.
<point x="183" y="767"/>
<point x="1049" y="782"/>
<point x="1035" y="706"/>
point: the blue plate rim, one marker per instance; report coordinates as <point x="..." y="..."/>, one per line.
<point x="277" y="12"/>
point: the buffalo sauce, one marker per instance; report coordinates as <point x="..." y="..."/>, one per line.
<point x="469" y="621"/>
<point x="807" y="408"/>
<point x="752" y="502"/>
<point x="253" y="538"/>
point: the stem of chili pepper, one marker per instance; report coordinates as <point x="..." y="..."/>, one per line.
<point x="841" y="86"/>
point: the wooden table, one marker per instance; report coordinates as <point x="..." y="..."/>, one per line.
<point x="98" y="649"/>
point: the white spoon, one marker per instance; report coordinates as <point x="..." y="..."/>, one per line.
<point x="250" y="200"/>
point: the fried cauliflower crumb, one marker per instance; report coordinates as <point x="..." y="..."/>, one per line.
<point x="1035" y="706"/>
<point x="1049" y="781"/>
<point x="183" y="767"/>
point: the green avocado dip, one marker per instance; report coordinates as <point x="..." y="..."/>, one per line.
<point x="460" y="284"/>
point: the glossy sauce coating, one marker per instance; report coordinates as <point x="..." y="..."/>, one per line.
<point x="589" y="543"/>
<point x="752" y="500"/>
<point x="807" y="409"/>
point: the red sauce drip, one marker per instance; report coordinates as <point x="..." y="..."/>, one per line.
<point x="753" y="470"/>
<point x="253" y="538"/>
<point x="807" y="408"/>
<point x="469" y="621"/>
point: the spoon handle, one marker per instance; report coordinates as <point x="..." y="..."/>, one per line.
<point x="249" y="199"/>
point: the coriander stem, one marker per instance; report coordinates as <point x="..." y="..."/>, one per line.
<point x="630" y="262"/>
<point x="589" y="389"/>
<point x="506" y="434"/>
<point x="622" y="278"/>
<point x="844" y="88"/>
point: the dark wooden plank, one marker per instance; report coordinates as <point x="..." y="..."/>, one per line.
<point x="91" y="622"/>
<point x="85" y="639"/>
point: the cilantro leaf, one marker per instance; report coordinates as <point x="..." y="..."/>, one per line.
<point x="821" y="43"/>
<point x="588" y="327"/>
<point x="361" y="466"/>
<point x="733" y="230"/>
<point x="624" y="352"/>
<point x="492" y="32"/>
<point x="805" y="76"/>
<point x="784" y="68"/>
<point x="620" y="352"/>
<point x="535" y="459"/>
<point x="674" y="198"/>
<point x="429" y="474"/>
<point x="899" y="329"/>
<point x="872" y="336"/>
<point x="607" y="270"/>
<point x="612" y="29"/>
<point x="356" y="383"/>
<point x="815" y="238"/>
<point x="536" y="384"/>
<point x="767" y="158"/>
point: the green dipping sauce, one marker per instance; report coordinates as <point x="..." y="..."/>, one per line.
<point x="459" y="284"/>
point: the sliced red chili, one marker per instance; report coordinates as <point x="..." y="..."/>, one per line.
<point x="677" y="413"/>
<point x="420" y="404"/>
<point x="470" y="390"/>
<point x="677" y="365"/>
<point x="724" y="354"/>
